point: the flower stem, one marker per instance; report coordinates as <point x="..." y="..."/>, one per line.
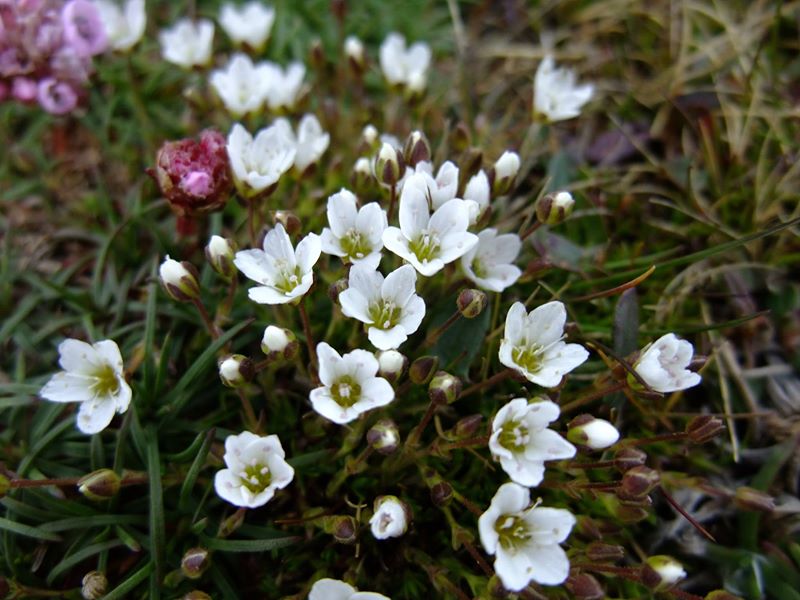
<point x="312" y="353"/>
<point x="593" y="395"/>
<point x="497" y="377"/>
<point x="524" y="236"/>
<point x="664" y="437"/>
<point x="476" y="555"/>
<point x="251" y="222"/>
<point x="414" y="436"/>
<point x="212" y="329"/>
<point x="468" y="443"/>
<point x="686" y="515"/>
<point x="436" y="333"/>
<point x="249" y="414"/>
<point x="392" y="200"/>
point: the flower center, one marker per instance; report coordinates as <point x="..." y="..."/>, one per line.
<point x="384" y="314"/>
<point x="479" y="269"/>
<point x="346" y="391"/>
<point x="355" y="244"/>
<point x="105" y="381"/>
<point x="514" y="436"/>
<point x="425" y="247"/>
<point x="528" y="356"/>
<point x="288" y="278"/>
<point x="256" y="477"/>
<point x="513" y="531"/>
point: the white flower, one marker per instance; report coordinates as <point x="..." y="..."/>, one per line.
<point x="438" y="190"/>
<point x="312" y="142"/>
<point x="390" y="306"/>
<point x="532" y="344"/>
<point x="93" y="376"/>
<point x="597" y="434"/>
<point x="284" y="273"/>
<point x="258" y="164"/>
<point x="556" y="93"/>
<point x="477" y="195"/>
<point x="490" y="263"/>
<point x="390" y="518"/>
<point x="249" y="24"/>
<point x="187" y="43"/>
<point x="522" y="442"/>
<point x="663" y="364"/>
<point x="525" y="540"/>
<point x="333" y="589"/>
<point x="354" y="235"/>
<point x="403" y="66"/>
<point x="284" y="85"/>
<point x="428" y="241"/>
<point x="256" y="467"/>
<point x="349" y="385"/>
<point x="124" y="25"/>
<point x="241" y="85"/>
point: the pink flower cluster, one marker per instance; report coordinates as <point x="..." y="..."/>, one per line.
<point x="46" y="50"/>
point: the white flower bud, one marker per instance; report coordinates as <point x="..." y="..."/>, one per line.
<point x="354" y="50"/>
<point x="279" y="343"/>
<point x="594" y="433"/>
<point x="235" y="370"/>
<point x="505" y="171"/>
<point x="662" y="571"/>
<point x="369" y="134"/>
<point x="391" y="365"/>
<point x="219" y="253"/>
<point x="389" y="165"/>
<point x="552" y="209"/>
<point x="390" y="518"/>
<point x="178" y="280"/>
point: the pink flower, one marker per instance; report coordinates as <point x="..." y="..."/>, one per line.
<point x="23" y="89"/>
<point x="56" y="97"/>
<point x="83" y="28"/>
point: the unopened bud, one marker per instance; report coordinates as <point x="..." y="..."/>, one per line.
<point x="361" y="177"/>
<point x="370" y="135"/>
<point x="384" y="436"/>
<point x="94" y="585"/>
<point x="231" y="524"/>
<point x="279" y="343"/>
<point x="600" y="552"/>
<point x="390" y="518"/>
<point x="721" y="595"/>
<point x="290" y="221"/>
<point x="219" y="254"/>
<point x="179" y="280"/>
<point x="195" y="562"/>
<point x="354" y="51"/>
<point x="504" y="172"/>
<point x="552" y="209"/>
<point x="628" y="458"/>
<point x="444" y="388"/>
<point x="235" y="370"/>
<point x="316" y="54"/>
<point x="421" y="370"/>
<point x="747" y="498"/>
<point x="630" y="514"/>
<point x="441" y="493"/>
<point x="584" y="587"/>
<point x="661" y="571"/>
<point x="389" y="165"/>
<point x="99" y="485"/>
<point x="638" y="482"/>
<point x="415" y="87"/>
<point x="467" y="427"/>
<point x="343" y="528"/>
<point x="417" y="149"/>
<point x="471" y="303"/>
<point x="460" y="137"/>
<point x="594" y="433"/>
<point x="470" y="164"/>
<point x="391" y="365"/>
<point x="196" y="595"/>
<point x="704" y="428"/>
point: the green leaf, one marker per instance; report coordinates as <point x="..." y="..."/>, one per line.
<point x="93" y="521"/>
<point x="458" y="346"/>
<point x="248" y="545"/>
<point x="123" y="589"/>
<point x="78" y="557"/>
<point x="157" y="536"/>
<point x="194" y="470"/>
<point x="27" y="530"/>
<point x="626" y="323"/>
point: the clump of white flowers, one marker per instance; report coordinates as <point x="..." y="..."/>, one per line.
<point x="188" y="43"/>
<point x="250" y="23"/>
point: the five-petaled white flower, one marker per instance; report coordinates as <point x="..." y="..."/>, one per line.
<point x="557" y="95"/>
<point x="241" y="85"/>
<point x="249" y="24"/>
<point x="663" y="364"/>
<point x="525" y="539"/>
<point x="284" y="85"/>
<point x="355" y="234"/>
<point x="93" y="376"/>
<point x="390" y="518"/>
<point x="284" y="273"/>
<point x="311" y="142"/>
<point x="428" y="241"/>
<point x="490" y="263"/>
<point x="533" y="344"/>
<point x="522" y="442"/>
<point x="124" y="25"/>
<point x="349" y="385"/>
<point x="390" y="306"/>
<point x="188" y="43"/>
<point x="333" y="589"/>
<point x="256" y="468"/>
<point x="403" y="66"/>
<point x="439" y="190"/>
<point x="257" y="164"/>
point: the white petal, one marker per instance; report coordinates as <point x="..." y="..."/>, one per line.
<point x="254" y="265"/>
<point x="108" y="351"/>
<point x="414" y="213"/>
<point x="342" y="212"/>
<point x="548" y="445"/>
<point x="550" y="525"/>
<point x="387" y="339"/>
<point x="329" y="364"/>
<point x="400" y="285"/>
<point x="308" y="251"/>
<point x="545" y="323"/>
<point x="513" y="569"/>
<point x="95" y="415"/>
<point x="331" y="589"/>
<point x="355" y="305"/>
<point x="268" y="295"/>
<point x="549" y="564"/>
<point x="68" y="387"/>
<point x="78" y="356"/>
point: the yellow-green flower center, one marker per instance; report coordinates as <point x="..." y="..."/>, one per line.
<point x="425" y="247"/>
<point x="514" y="436"/>
<point x="513" y="531"/>
<point x="355" y="244"/>
<point x="346" y="391"/>
<point x="256" y="477"/>
<point x="528" y="356"/>
<point x="384" y="314"/>
<point x="479" y="269"/>
<point x="288" y="278"/>
<point x="106" y="382"/>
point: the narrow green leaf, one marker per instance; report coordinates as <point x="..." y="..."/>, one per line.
<point x="148" y="365"/>
<point x="194" y="470"/>
<point x="157" y="537"/>
<point x="27" y="530"/>
<point x="248" y="545"/>
<point x="93" y="521"/>
<point x="309" y="458"/>
<point x="78" y="557"/>
<point x="626" y="323"/>
<point x="127" y="586"/>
